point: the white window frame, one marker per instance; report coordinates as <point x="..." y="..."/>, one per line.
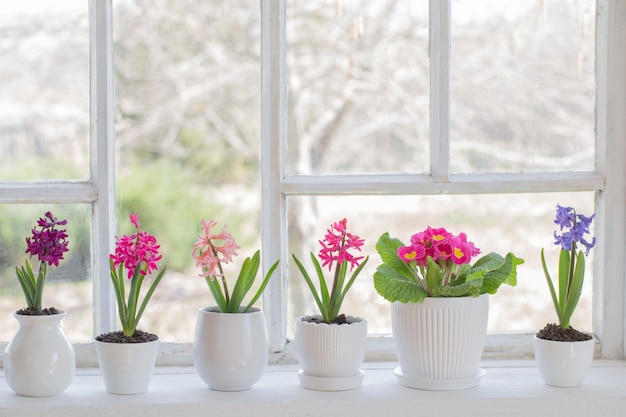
<point x="608" y="181"/>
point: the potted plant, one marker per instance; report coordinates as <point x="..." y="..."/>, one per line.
<point x="564" y="354"/>
<point x="330" y="346"/>
<point x="230" y="348"/>
<point x="39" y="361"/>
<point x="127" y="356"/>
<point x="439" y="305"/>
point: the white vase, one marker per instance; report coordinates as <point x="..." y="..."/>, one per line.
<point x="563" y="364"/>
<point x="230" y="350"/>
<point x="331" y="354"/>
<point x="440" y="341"/>
<point x="127" y="367"/>
<point x="40" y="360"/>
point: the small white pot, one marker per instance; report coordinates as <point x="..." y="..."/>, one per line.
<point x="563" y="364"/>
<point x="39" y="361"/>
<point x="230" y="350"/>
<point x="440" y="342"/>
<point x="127" y="367"/>
<point x="331" y="354"/>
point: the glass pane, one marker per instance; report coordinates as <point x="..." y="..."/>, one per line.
<point x="67" y="287"/>
<point x="358" y="86"/>
<point x="518" y="223"/>
<point x="44" y="90"/>
<point x="188" y="134"/>
<point x="522" y="86"/>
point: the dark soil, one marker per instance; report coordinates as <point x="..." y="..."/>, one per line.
<point x="555" y="332"/>
<point x="341" y="319"/>
<point x="118" y="337"/>
<point x="32" y="312"/>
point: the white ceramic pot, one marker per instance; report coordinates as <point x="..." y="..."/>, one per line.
<point x="563" y="364"/>
<point x="331" y="354"/>
<point x="230" y="350"/>
<point x="127" y="367"/>
<point x="40" y="360"/>
<point x="440" y="341"/>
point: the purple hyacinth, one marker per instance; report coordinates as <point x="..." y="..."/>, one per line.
<point x="48" y="243"/>
<point x="576" y="225"/>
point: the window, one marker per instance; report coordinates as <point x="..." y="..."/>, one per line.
<point x="443" y="136"/>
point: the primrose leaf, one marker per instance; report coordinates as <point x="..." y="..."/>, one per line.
<point x="394" y="286"/>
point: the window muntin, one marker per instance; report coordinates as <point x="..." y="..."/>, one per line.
<point x="522" y="86"/>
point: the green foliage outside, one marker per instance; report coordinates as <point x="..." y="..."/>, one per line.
<point x="170" y="205"/>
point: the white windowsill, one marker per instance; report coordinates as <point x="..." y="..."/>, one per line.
<point x="510" y="388"/>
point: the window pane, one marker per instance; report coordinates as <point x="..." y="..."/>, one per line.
<point x="522" y="86"/>
<point x="67" y="287"/>
<point x="518" y="223"/>
<point x="188" y="134"/>
<point x="358" y="86"/>
<point x="44" y="90"/>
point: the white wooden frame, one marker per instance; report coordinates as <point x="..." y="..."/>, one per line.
<point x="608" y="181"/>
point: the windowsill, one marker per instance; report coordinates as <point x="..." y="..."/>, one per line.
<point x="510" y="388"/>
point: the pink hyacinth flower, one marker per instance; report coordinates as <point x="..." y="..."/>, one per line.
<point x="210" y="250"/>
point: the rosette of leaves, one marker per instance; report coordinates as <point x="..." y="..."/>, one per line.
<point x="398" y="280"/>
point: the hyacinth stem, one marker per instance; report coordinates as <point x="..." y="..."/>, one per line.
<point x="223" y="278"/>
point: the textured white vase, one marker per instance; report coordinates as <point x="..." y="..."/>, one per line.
<point x="40" y="360"/>
<point x="127" y="367"/>
<point x="440" y="342"/>
<point x="230" y="350"/>
<point x="563" y="364"/>
<point x="331" y="354"/>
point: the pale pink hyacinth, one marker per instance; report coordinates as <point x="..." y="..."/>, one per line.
<point x="212" y="250"/>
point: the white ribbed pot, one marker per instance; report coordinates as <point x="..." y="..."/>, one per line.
<point x="39" y="361"/>
<point x="440" y="341"/>
<point x="563" y="364"/>
<point x="230" y="350"/>
<point x="330" y="354"/>
<point x="127" y="367"/>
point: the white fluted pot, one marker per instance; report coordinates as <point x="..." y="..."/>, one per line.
<point x="127" y="367"/>
<point x="440" y="342"/>
<point x="331" y="354"/>
<point x="39" y="361"/>
<point x="230" y="350"/>
<point x="563" y="364"/>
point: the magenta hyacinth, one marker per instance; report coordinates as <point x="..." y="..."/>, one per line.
<point x="136" y="249"/>
<point x="48" y="243"/>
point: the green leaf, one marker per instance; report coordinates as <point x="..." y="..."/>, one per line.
<point x="147" y="297"/>
<point x="394" y="286"/>
<point x="467" y="289"/>
<point x="555" y="299"/>
<point x="217" y="293"/>
<point x="387" y="248"/>
<point x="320" y="305"/>
<point x="266" y="279"/>
<point x="433" y="276"/>
<point x="574" y="291"/>
<point x="244" y="282"/>
<point x="499" y="271"/>
<point x="324" y="292"/>
<point x="564" y="267"/>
